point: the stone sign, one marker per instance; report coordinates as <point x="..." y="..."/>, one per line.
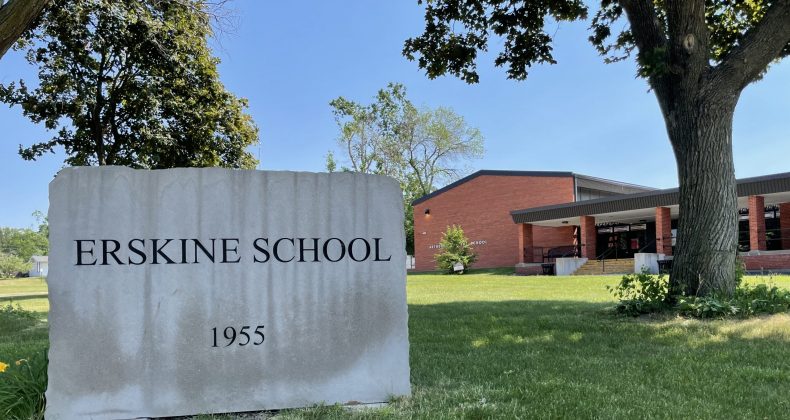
<point x="188" y="291"/>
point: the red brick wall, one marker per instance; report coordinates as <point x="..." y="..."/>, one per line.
<point x="784" y="224"/>
<point x="589" y="236"/>
<point x="767" y="261"/>
<point x="663" y="231"/>
<point x="529" y="270"/>
<point x="525" y="242"/>
<point x="757" y="223"/>
<point x="482" y="207"/>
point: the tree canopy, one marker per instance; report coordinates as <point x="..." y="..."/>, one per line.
<point x="24" y="243"/>
<point x="421" y="148"/>
<point x="697" y="57"/>
<point x="131" y="83"/>
<point x="456" y="30"/>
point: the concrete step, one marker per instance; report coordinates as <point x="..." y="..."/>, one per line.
<point x="595" y="267"/>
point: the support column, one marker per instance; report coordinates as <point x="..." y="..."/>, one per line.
<point x="784" y="224"/>
<point x="663" y="231"/>
<point x="757" y="223"/>
<point x="525" y="245"/>
<point x="589" y="235"/>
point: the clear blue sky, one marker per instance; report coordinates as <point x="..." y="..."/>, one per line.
<point x="291" y="58"/>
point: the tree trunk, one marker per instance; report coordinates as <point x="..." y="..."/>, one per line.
<point x="15" y="17"/>
<point x="701" y="135"/>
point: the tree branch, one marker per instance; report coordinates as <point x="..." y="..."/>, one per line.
<point x="689" y="41"/>
<point x="758" y="48"/>
<point x="649" y="37"/>
<point x="16" y="16"/>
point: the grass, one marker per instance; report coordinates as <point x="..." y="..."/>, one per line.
<point x="21" y="337"/>
<point x="30" y="285"/>
<point x="494" y="346"/>
<point x="25" y="293"/>
<point x="489" y="345"/>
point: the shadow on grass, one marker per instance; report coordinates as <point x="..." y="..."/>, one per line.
<point x="573" y="359"/>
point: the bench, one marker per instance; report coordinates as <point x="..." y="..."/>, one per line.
<point x="560" y="252"/>
<point x="665" y="266"/>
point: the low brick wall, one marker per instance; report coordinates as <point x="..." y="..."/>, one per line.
<point x="529" y="269"/>
<point x="767" y="261"/>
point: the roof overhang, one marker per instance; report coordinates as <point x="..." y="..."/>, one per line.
<point x="634" y="208"/>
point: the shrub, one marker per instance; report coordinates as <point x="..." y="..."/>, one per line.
<point x="641" y="293"/>
<point x="706" y="307"/>
<point x="740" y="271"/>
<point x="11" y="265"/>
<point x="455" y="248"/>
<point x="762" y="299"/>
<point x="22" y="387"/>
<point x="746" y="301"/>
<point x="10" y="311"/>
<point x="645" y="293"/>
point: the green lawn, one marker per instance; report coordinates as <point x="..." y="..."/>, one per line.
<point x="22" y="337"/>
<point x="30" y="285"/>
<point x="492" y="345"/>
<point x="26" y="293"/>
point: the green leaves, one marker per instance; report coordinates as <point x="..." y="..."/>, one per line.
<point x="23" y="384"/>
<point x="132" y="83"/>
<point x="390" y="136"/>
<point x="418" y="147"/>
<point x="641" y="293"/>
<point x="455" y="30"/>
<point x="23" y="243"/>
<point x="455" y="249"/>
<point x="370" y="134"/>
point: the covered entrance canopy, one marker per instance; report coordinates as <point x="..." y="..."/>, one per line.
<point x="656" y="212"/>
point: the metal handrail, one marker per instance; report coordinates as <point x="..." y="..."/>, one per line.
<point x="543" y="254"/>
<point x="778" y="235"/>
<point x="603" y="260"/>
<point x="648" y="245"/>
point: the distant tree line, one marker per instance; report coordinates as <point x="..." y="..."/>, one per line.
<point x="18" y="245"/>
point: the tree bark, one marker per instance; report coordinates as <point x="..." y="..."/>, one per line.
<point x="698" y="106"/>
<point x="16" y="17"/>
<point x="701" y="135"/>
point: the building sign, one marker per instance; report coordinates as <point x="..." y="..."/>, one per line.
<point x="473" y="243"/>
<point x="190" y="291"/>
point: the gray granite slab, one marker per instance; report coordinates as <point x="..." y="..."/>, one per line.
<point x="133" y="316"/>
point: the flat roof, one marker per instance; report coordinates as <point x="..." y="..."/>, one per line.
<point x="550" y="174"/>
<point x="760" y="185"/>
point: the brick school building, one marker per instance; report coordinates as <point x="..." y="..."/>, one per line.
<point x="579" y="223"/>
